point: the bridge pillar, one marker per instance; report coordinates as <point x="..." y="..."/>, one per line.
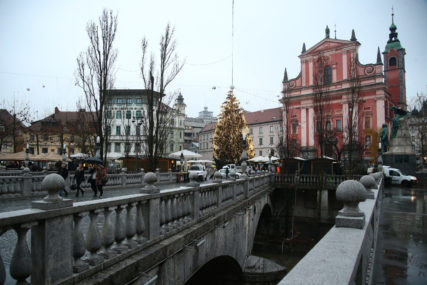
<point x="51" y="239"/>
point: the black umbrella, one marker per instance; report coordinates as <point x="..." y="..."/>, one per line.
<point x="94" y="160"/>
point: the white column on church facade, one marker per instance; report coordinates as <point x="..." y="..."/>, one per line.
<point x="310" y="72"/>
<point x="303" y="128"/>
<point x="311" y="127"/>
<point x="345" y="121"/>
<point x="380" y="113"/>
<point x="344" y="65"/>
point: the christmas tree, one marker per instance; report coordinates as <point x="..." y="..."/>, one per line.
<point x="227" y="139"/>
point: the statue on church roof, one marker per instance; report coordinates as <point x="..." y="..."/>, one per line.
<point x="327" y="32"/>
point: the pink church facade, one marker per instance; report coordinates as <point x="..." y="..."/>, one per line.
<point x="332" y="85"/>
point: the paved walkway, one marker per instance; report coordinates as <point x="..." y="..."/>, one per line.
<point x="401" y="256"/>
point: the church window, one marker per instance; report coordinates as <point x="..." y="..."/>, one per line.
<point x="328" y="125"/>
<point x="392" y="61"/>
<point x="338" y="125"/>
<point x="367" y="122"/>
<point x="327" y="79"/>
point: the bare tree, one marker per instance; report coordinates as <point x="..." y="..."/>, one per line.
<point x="353" y="148"/>
<point x="321" y="79"/>
<point x="156" y="127"/>
<point x="83" y="129"/>
<point x="13" y="119"/>
<point x="287" y="147"/>
<point x="418" y="123"/>
<point x="95" y="70"/>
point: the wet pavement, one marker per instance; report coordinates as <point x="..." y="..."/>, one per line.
<point x="401" y="256"/>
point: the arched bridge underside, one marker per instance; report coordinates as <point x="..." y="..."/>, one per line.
<point x="225" y="237"/>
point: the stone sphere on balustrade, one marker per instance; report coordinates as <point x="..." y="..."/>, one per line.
<point x="52" y="183"/>
<point x="351" y="191"/>
<point x="217" y="175"/>
<point x="369" y="182"/>
<point x="377" y="176"/>
<point x="150" y="178"/>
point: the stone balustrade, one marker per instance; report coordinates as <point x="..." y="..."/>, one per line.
<point x="28" y="183"/>
<point x="71" y="242"/>
<point x="346" y="254"/>
<point x="328" y="181"/>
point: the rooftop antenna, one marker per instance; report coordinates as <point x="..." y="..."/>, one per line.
<point x="392" y="15"/>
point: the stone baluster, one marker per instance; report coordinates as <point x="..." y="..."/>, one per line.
<point x="93" y="240"/>
<point x="120" y="233"/>
<point x="196" y="204"/>
<point x="163" y="216"/>
<point x="140" y="224"/>
<point x="170" y="175"/>
<point x="27" y="183"/>
<point x="79" y="245"/>
<point x="169" y="214"/>
<point x="174" y="209"/>
<point x="351" y="192"/>
<point x="107" y="234"/>
<point x="20" y="265"/>
<point x="188" y="209"/>
<point x="130" y="226"/>
<point x="123" y="176"/>
<point x="2" y="269"/>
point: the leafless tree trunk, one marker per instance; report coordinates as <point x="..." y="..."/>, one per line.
<point x="321" y="100"/>
<point x="352" y="144"/>
<point x="156" y="127"/>
<point x="95" y="69"/>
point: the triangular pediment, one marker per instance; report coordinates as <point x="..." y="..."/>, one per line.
<point x="327" y="45"/>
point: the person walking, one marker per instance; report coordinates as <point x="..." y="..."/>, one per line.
<point x="92" y="181"/>
<point x="101" y="175"/>
<point x="63" y="171"/>
<point x="80" y="177"/>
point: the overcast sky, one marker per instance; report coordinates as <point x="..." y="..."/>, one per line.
<point x="40" y="41"/>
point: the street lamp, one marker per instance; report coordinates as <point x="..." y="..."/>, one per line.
<point x="64" y="158"/>
<point x="244" y="154"/>
<point x="138" y="121"/>
<point x="27" y="151"/>
<point x="182" y="161"/>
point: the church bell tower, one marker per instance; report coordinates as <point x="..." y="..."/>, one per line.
<point x="394" y="68"/>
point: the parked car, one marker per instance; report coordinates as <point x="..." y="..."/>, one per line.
<point x="223" y="173"/>
<point x="395" y="176"/>
<point x="199" y="169"/>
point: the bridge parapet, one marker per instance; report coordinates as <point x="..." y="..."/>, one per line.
<point x="344" y="255"/>
<point x="71" y="243"/>
<point x="312" y="181"/>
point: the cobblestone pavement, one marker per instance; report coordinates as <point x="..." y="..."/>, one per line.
<point x="401" y="256"/>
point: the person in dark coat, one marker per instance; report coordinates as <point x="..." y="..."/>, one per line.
<point x="63" y="171"/>
<point x="101" y="174"/>
<point x="80" y="177"/>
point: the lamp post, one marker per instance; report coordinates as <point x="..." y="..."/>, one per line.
<point x="270" y="154"/>
<point x="181" y="159"/>
<point x="27" y="151"/>
<point x="64" y="158"/>
<point x="244" y="155"/>
<point x="138" y="121"/>
<point x="97" y="148"/>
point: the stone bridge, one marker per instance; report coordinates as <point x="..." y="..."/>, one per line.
<point x="149" y="238"/>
